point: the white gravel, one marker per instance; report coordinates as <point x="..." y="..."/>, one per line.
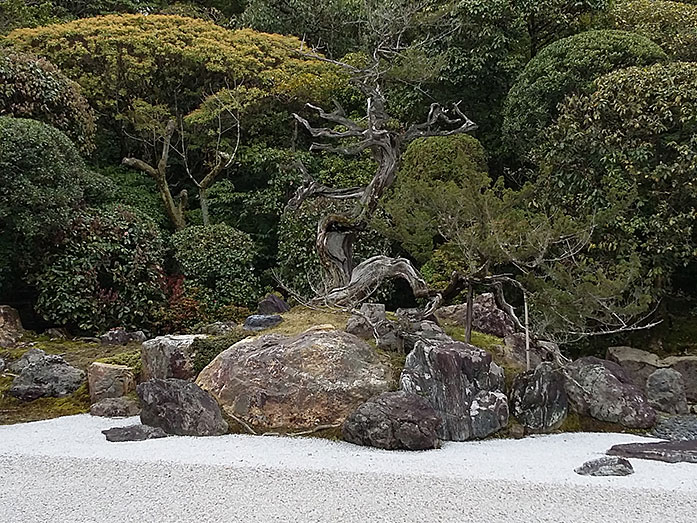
<point x="65" y="471"/>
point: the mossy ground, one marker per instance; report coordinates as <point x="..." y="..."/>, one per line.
<point x="300" y="318"/>
<point x="13" y="410"/>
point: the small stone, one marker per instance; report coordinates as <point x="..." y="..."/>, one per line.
<point x="56" y="333"/>
<point x="219" y="328"/>
<point x="133" y="433"/>
<point x="2" y="365"/>
<point x="260" y="322"/>
<point x="606" y="466"/>
<point x="116" y="408"/>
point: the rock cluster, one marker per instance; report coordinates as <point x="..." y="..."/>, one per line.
<point x="463" y="385"/>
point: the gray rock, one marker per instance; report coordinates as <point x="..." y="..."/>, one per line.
<point x="538" y="399"/>
<point x="637" y="364"/>
<point x="219" y="328"/>
<point x="295" y="383"/>
<point x="667" y="451"/>
<point x="687" y="366"/>
<point x="394" y="420"/>
<point x="180" y="407"/>
<point x="424" y="330"/>
<point x="606" y="466"/>
<point x="359" y="324"/>
<point x="513" y="351"/>
<point x="2" y="365"/>
<point x="486" y="316"/>
<point x="463" y="385"/>
<point x="666" y="391"/>
<point x="121" y="336"/>
<point x="602" y="390"/>
<point x="29" y="357"/>
<point x="260" y="322"/>
<point x="169" y="357"/>
<point x="57" y="333"/>
<point x="49" y="376"/>
<point x="272" y="304"/>
<point x="133" y="433"/>
<point x="11" y="329"/>
<point x="676" y="428"/>
<point x="109" y="381"/>
<point x="116" y="408"/>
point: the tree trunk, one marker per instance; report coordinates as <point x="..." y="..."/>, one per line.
<point x="203" y="198"/>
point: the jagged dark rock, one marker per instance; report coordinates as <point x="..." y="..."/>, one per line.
<point x="665" y="390"/>
<point x="260" y="322"/>
<point x="169" y="357"/>
<point x="606" y="466"/>
<point x="133" y="433"/>
<point x="538" y="399"/>
<point x="667" y="451"/>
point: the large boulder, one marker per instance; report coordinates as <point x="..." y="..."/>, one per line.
<point x="295" y="383"/>
<point x="180" y="407"/>
<point x="637" y="364"/>
<point x="49" y="376"/>
<point x="687" y="366"/>
<point x="538" y="399"/>
<point x="602" y="390"/>
<point x="486" y="316"/>
<point x="109" y="381"/>
<point x="11" y="329"/>
<point x="272" y="304"/>
<point x="392" y="421"/>
<point x="463" y="385"/>
<point x="124" y="407"/>
<point x="169" y="357"/>
<point x="665" y="390"/>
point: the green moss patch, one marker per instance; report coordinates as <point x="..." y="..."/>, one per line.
<point x="206" y="349"/>
<point x="13" y="410"/>
<point x="299" y="319"/>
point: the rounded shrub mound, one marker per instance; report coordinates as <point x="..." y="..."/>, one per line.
<point x="562" y="68"/>
<point x="217" y="262"/>
<point x="625" y="155"/>
<point x="672" y="25"/>
<point x="106" y="273"/>
<point x="34" y="88"/>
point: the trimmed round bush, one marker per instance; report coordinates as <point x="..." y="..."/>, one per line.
<point x="565" y="67"/>
<point x="218" y="263"/>
<point x="107" y="272"/>
<point x="34" y="88"/>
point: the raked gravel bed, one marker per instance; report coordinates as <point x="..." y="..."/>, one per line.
<point x="64" y="470"/>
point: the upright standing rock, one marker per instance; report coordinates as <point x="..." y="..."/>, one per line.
<point x="109" y="381"/>
<point x="666" y="391"/>
<point x="687" y="366"/>
<point x="180" y="407"/>
<point x="538" y="399"/>
<point x="602" y="390"/>
<point x="11" y="329"/>
<point x="169" y="357"/>
<point x="463" y="385"/>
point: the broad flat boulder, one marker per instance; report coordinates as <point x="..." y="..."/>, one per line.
<point x="668" y="451"/>
<point x="538" y="399"/>
<point x="665" y="390"/>
<point x="602" y="390"/>
<point x="133" y="433"/>
<point x="638" y="364"/>
<point x="462" y="383"/>
<point x="180" y="407"/>
<point x="606" y="466"/>
<point x="124" y="407"/>
<point x="260" y="322"/>
<point x="393" y="421"/>
<point x="50" y="376"/>
<point x="109" y="381"/>
<point x="272" y="304"/>
<point x="687" y="366"/>
<point x="11" y="329"/>
<point x="486" y="316"/>
<point x="169" y="357"/>
<point x="295" y="383"/>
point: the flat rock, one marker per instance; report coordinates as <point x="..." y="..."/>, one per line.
<point x="392" y="421"/>
<point x="538" y="399"/>
<point x="668" y="451"/>
<point x="462" y="383"/>
<point x="180" y="407"/>
<point x="115" y="408"/>
<point x="260" y="322"/>
<point x="602" y="390"/>
<point x="606" y="466"/>
<point x="133" y="433"/>
<point x="295" y="383"/>
<point x="109" y="381"/>
<point x="169" y="357"/>
<point x="50" y="376"/>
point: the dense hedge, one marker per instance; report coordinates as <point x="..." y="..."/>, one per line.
<point x="565" y="67"/>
